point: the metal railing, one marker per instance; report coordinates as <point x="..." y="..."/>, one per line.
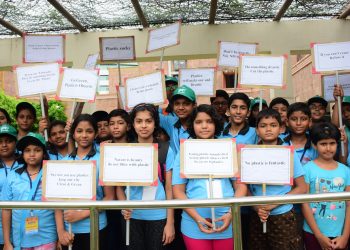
<point x="234" y="203"/>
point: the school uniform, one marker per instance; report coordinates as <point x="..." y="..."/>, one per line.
<point x="306" y="153"/>
<point x="54" y="155"/>
<point x="20" y="187"/>
<point x="247" y="135"/>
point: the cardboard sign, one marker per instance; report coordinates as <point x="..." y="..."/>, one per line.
<point x="262" y="71"/>
<point x="260" y="164"/>
<point x="328" y="85"/>
<point x="202" y="81"/>
<point x="78" y="85"/>
<point x="148" y="88"/>
<point x="129" y="164"/>
<point x="117" y="48"/>
<point x="69" y="180"/>
<point x="330" y="56"/>
<point x="44" y="48"/>
<point x="37" y="79"/>
<point x="229" y="52"/>
<point x="163" y="37"/>
<point x="91" y="62"/>
<point x="203" y="158"/>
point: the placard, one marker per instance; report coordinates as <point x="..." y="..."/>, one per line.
<point x="117" y="48"/>
<point x="129" y="164"/>
<point x="261" y="164"/>
<point x="204" y="158"/>
<point x="202" y="81"/>
<point x="330" y="56"/>
<point x="163" y="37"/>
<point x="43" y="48"/>
<point x="37" y="79"/>
<point x="229" y="52"/>
<point x="148" y="88"/>
<point x="91" y="61"/>
<point x="78" y="85"/>
<point x="328" y="82"/>
<point x="262" y="71"/>
<point x="69" y="180"/>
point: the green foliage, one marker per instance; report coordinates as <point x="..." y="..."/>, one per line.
<point x="56" y="109"/>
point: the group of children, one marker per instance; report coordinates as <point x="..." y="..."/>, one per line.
<point x="318" y="168"/>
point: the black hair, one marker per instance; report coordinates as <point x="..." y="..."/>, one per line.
<point x="279" y="100"/>
<point x="219" y="93"/>
<point x="209" y="110"/>
<point x="25" y="106"/>
<point x="100" y="116"/>
<point x="154" y="114"/>
<point x="268" y="113"/>
<point x="299" y="106"/>
<point x="323" y="131"/>
<point x="83" y="118"/>
<point x="126" y="117"/>
<point x="239" y="96"/>
<point x="8" y="118"/>
<point x="54" y="124"/>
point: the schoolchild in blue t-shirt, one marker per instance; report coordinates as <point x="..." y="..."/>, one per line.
<point x="198" y="231"/>
<point x="150" y="229"/>
<point x="8" y="159"/>
<point x="83" y="131"/>
<point x="31" y="229"/>
<point x="281" y="106"/>
<point x="58" y="147"/>
<point x="280" y="219"/>
<point x="327" y="224"/>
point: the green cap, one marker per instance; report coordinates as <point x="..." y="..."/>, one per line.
<point x="186" y="92"/>
<point x="346" y="99"/>
<point x="31" y="139"/>
<point x="256" y="101"/>
<point x="171" y="79"/>
<point x="7" y="129"/>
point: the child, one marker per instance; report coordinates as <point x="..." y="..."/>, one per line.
<point x="57" y="138"/>
<point x="149" y="229"/>
<point x="119" y="126"/>
<point x="281" y="105"/>
<point x="183" y="102"/>
<point x="25" y="118"/>
<point x="318" y="107"/>
<point x="220" y="103"/>
<point x="83" y="131"/>
<point x="327" y="224"/>
<point x="24" y="184"/>
<point x="254" y="110"/>
<point x="198" y="232"/>
<point x="103" y="134"/>
<point x="4" y="117"/>
<point x="281" y="219"/>
<point x="8" y="159"/>
<point x="171" y="83"/>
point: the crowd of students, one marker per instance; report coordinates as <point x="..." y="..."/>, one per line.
<point x="318" y="168"/>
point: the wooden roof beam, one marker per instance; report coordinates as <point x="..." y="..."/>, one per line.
<point x="140" y="13"/>
<point x="283" y="10"/>
<point x="67" y="15"/>
<point x="345" y="13"/>
<point x="9" y="26"/>
<point x="212" y="13"/>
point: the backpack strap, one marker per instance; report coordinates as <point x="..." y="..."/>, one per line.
<point x="163" y="148"/>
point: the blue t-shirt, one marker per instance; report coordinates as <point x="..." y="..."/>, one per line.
<point x="329" y="216"/>
<point x="55" y="156"/>
<point x="199" y="189"/>
<point x="151" y="193"/>
<point x="17" y="188"/>
<point x="83" y="226"/>
<point x="306" y="153"/>
<point x="247" y="135"/>
<point x="174" y="129"/>
<point x="256" y="189"/>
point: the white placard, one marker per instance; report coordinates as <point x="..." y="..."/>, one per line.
<point x="122" y="96"/>
<point x="202" y="81"/>
<point x="229" y="53"/>
<point x="203" y="158"/>
<point x="331" y="56"/>
<point x="164" y="37"/>
<point x="128" y="164"/>
<point x="262" y="71"/>
<point x="266" y="165"/>
<point x="38" y="79"/>
<point x="78" y="84"/>
<point x="43" y="48"/>
<point x="69" y="180"/>
<point x="328" y="85"/>
<point x="148" y="88"/>
<point x="91" y="61"/>
<point x="117" y="48"/>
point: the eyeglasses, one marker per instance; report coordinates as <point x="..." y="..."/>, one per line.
<point x="317" y="107"/>
<point x="220" y="103"/>
<point x="171" y="87"/>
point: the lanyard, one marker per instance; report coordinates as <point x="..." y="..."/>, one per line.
<point x="306" y="147"/>
<point x="37" y="182"/>
<point x="4" y="165"/>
